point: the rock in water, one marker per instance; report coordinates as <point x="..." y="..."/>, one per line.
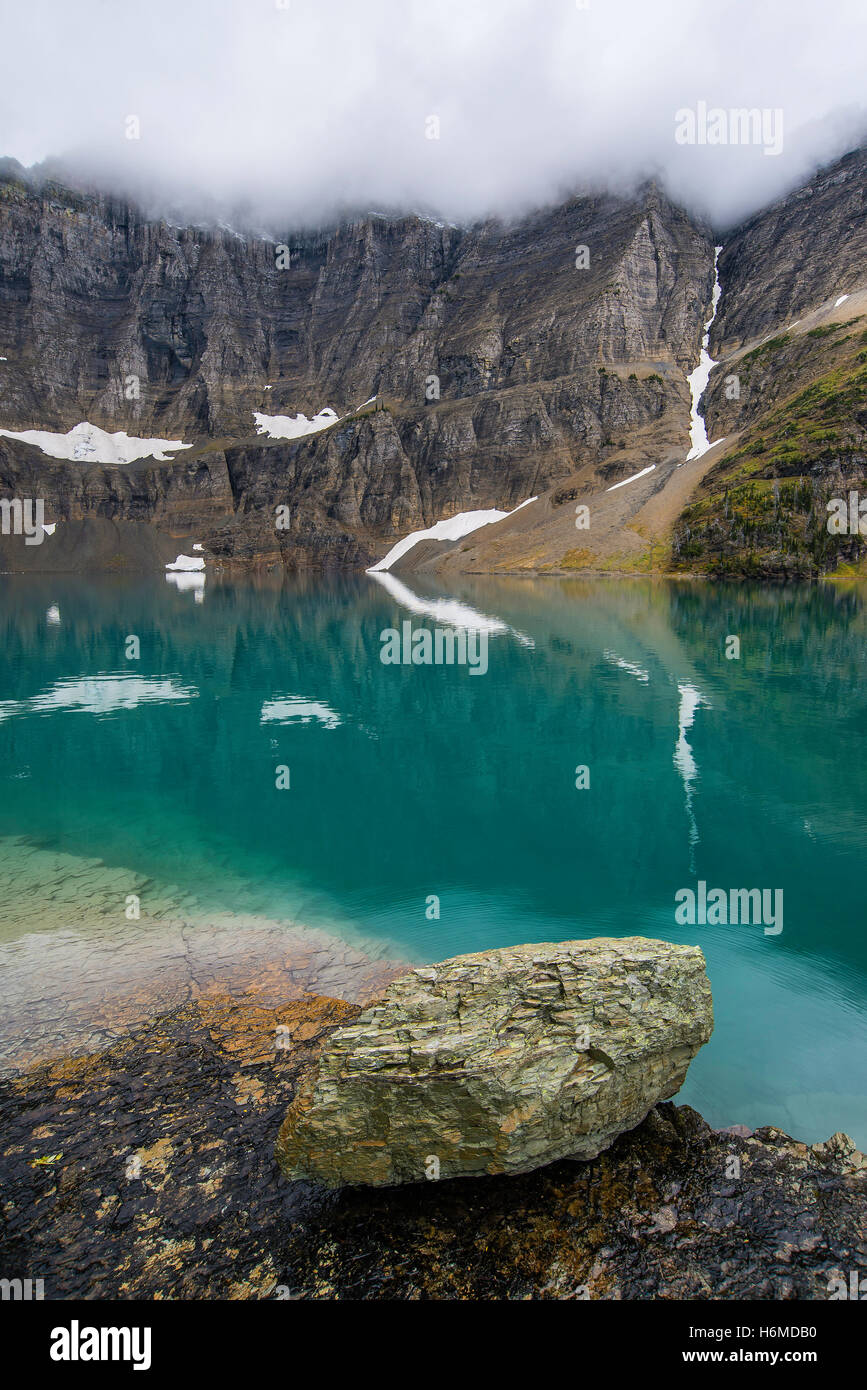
<point x="500" y="1062"/>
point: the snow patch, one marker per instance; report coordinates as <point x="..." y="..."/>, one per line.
<point x="633" y="479"/>
<point x="187" y="573"/>
<point x="296" y="426"/>
<point x="453" y="528"/>
<point x="89" y="444"/>
<point x="841" y="300"/>
<point x="293" y="427"/>
<point x="699" y="378"/>
<point x="187" y="562"/>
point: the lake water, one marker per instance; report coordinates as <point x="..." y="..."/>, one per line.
<point x="417" y="789"/>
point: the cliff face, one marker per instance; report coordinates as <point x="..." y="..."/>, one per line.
<point x="504" y="361"/>
<point x="470" y="368"/>
<point x="790" y="391"/>
<point x="91" y="293"/>
<point x="789" y="258"/>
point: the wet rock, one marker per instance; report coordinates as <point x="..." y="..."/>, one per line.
<point x="500" y="1062"/>
<point x="149" y="1168"/>
<point x="197" y="1095"/>
<point x="593" y="1230"/>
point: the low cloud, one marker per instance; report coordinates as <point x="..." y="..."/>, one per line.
<point x="281" y="115"/>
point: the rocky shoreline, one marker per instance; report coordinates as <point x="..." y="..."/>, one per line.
<point x="148" y="1171"/>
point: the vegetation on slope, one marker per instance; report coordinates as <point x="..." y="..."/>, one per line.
<point x="763" y="509"/>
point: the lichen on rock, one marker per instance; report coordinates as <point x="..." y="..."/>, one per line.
<point x="500" y="1062"/>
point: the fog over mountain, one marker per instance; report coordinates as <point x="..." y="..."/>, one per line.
<point x="286" y="112"/>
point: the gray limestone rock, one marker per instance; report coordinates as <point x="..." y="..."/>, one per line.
<point x="500" y="1062"/>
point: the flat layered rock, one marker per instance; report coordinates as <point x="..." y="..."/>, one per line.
<point x="500" y="1062"/>
<point x="673" y="1210"/>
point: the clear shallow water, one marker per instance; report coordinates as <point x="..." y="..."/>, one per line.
<point x="413" y="781"/>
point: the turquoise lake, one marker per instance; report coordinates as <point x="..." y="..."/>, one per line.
<point x="414" y="783"/>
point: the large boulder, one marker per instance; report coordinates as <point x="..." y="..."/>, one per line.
<point x="500" y="1062"/>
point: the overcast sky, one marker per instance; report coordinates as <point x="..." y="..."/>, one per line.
<point x="298" y="107"/>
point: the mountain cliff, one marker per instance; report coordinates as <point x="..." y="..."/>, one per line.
<point x="467" y="368"/>
<point x="790" y="392"/>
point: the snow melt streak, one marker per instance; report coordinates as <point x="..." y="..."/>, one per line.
<point x="699" y="378"/>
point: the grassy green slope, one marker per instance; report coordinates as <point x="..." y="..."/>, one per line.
<point x="762" y="509"/>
